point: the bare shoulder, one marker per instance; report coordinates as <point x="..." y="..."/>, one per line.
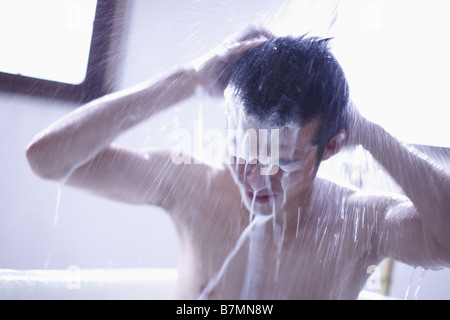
<point x="354" y="198"/>
<point x="199" y="188"/>
<point x="386" y="224"/>
<point x="191" y="183"/>
<point x="364" y="212"/>
<point x="146" y="177"/>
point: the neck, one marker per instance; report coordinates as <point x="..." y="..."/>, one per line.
<point x="295" y="213"/>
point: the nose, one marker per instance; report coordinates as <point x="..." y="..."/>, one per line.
<point x="256" y="180"/>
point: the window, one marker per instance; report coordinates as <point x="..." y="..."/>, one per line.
<point x="56" y="48"/>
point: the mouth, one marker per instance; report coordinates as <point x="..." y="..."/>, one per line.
<point x="263" y="198"/>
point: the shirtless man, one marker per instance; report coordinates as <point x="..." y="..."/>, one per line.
<point x="306" y="237"/>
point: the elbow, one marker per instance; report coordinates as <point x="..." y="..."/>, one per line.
<point x="444" y="255"/>
<point x="442" y="259"/>
<point x="40" y="161"/>
<point x="439" y="252"/>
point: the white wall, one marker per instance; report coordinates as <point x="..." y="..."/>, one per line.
<point x="91" y="232"/>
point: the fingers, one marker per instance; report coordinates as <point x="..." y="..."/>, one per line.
<point x="252" y="37"/>
<point x="356" y="125"/>
<point x="254" y="32"/>
<point x="243" y="46"/>
<point x="215" y="69"/>
<point x="224" y="64"/>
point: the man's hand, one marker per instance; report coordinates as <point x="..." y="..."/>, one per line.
<point x="214" y="70"/>
<point x="357" y="127"/>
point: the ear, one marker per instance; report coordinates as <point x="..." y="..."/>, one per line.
<point x="335" y="144"/>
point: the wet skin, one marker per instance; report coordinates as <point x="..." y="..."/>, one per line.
<point x="316" y="238"/>
<point x="293" y="252"/>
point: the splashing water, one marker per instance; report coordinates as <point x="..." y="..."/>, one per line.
<point x="415" y="282"/>
<point x="259" y="213"/>
<point x="58" y="203"/>
<point x="288" y="20"/>
<point x="213" y="282"/>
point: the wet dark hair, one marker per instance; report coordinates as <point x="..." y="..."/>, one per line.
<point x="292" y="81"/>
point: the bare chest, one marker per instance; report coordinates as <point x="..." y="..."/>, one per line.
<point x="266" y="262"/>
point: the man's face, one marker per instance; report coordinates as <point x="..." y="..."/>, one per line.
<point x="269" y="186"/>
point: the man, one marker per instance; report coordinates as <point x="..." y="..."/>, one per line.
<point x="285" y="234"/>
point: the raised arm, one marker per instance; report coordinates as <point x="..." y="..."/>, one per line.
<point x="78" y="137"/>
<point x="416" y="232"/>
<point x="79" y="145"/>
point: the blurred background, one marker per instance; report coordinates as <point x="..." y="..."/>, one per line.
<point x="393" y="53"/>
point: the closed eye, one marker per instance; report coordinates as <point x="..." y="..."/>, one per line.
<point x="290" y="165"/>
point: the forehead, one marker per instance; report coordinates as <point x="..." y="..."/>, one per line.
<point x="294" y="140"/>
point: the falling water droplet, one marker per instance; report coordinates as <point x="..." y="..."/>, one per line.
<point x="58" y="203"/>
<point x="415" y="283"/>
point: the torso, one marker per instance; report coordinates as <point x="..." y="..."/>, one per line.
<point x="323" y="255"/>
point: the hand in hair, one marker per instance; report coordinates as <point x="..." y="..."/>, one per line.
<point x="214" y="69"/>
